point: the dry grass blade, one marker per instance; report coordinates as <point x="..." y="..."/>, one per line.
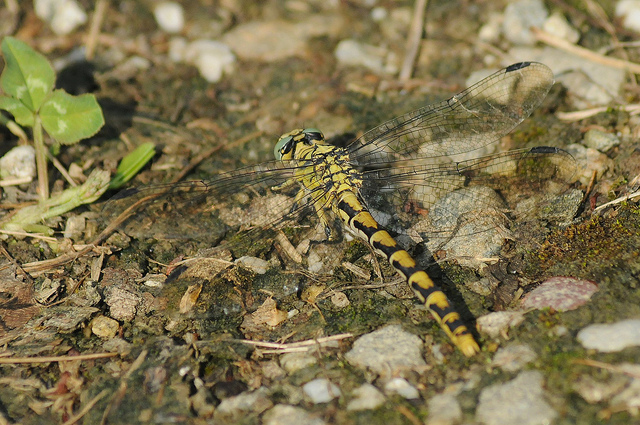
<point x="562" y="44"/>
<point x="300" y="346"/>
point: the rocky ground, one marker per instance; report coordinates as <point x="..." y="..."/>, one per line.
<point x="108" y="337"/>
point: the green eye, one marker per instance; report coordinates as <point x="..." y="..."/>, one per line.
<point x="313" y="133"/>
<point x="283" y="146"/>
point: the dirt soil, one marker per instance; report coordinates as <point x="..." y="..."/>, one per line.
<point x="171" y="341"/>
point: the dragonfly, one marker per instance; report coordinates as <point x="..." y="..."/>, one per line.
<point x="387" y="181"/>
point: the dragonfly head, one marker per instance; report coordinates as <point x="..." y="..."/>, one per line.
<point x="286" y="146"/>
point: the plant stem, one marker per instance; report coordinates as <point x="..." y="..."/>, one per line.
<point x="41" y="159"/>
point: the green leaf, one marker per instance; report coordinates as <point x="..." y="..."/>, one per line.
<point x="132" y="163"/>
<point x="69" y="119"/>
<point x="27" y="75"/>
<point x="21" y="114"/>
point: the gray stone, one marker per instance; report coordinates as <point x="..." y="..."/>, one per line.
<point x="519" y="401"/>
<point x="402" y="387"/>
<point x="611" y="337"/>
<point x="367" y="397"/>
<point x="321" y="390"/>
<point x="513" y="357"/>
<point x="284" y="414"/>
<point x="444" y="409"/>
<point x="519" y="17"/>
<point x="387" y="351"/>
<point x="237" y="407"/>
<point x="600" y="140"/>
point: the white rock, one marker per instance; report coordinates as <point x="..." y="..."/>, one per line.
<point x="519" y="401"/>
<point x="600" y="140"/>
<point x="236" y="407"/>
<point x="355" y="53"/>
<point x="367" y="397"/>
<point x="379" y="14"/>
<point x="177" y="49"/>
<point x="63" y="16"/>
<point x="255" y="264"/>
<point x="74" y="227"/>
<point x="321" y="390"/>
<point x="558" y="25"/>
<point x="212" y="58"/>
<point x="498" y="323"/>
<point x="269" y="41"/>
<point x="19" y="162"/>
<point x="630" y="11"/>
<point x="491" y="30"/>
<point x="292" y="362"/>
<point x="610" y="338"/>
<point x="387" y="351"/>
<point x="169" y="16"/>
<point x="513" y="357"/>
<point x="402" y="387"/>
<point x="284" y="414"/>
<point x="444" y="409"/>
<point x="519" y="17"/>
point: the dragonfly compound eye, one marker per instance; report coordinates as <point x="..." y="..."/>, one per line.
<point x="283" y="146"/>
<point x="313" y="134"/>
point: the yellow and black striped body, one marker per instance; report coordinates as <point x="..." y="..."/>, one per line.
<point x="328" y="178"/>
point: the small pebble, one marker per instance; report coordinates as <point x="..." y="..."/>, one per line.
<point x="256" y="265"/>
<point x="74" y="227"/>
<point x="628" y="398"/>
<point x="490" y="31"/>
<point x="321" y="390"/>
<point x="387" y="351"/>
<point x="513" y="357"/>
<point x="19" y="162"/>
<point x="284" y="414"/>
<point x="498" y="323"/>
<point x="611" y="337"/>
<point x="519" y="17"/>
<point x="340" y="300"/>
<point x="169" y="16"/>
<point x="104" y="327"/>
<point x="212" y="58"/>
<point x="600" y="140"/>
<point x="558" y="26"/>
<point x="63" y="16"/>
<point x="117" y="345"/>
<point x="402" y="387"/>
<point x="367" y="397"/>
<point x="596" y="390"/>
<point x="520" y="401"/>
<point x="560" y="293"/>
<point x="629" y="10"/>
<point x="233" y="409"/>
<point x="354" y="53"/>
<point x="379" y="14"/>
<point x="589" y="160"/>
<point x="292" y="362"/>
<point x="270" y="41"/>
<point x="444" y="409"/>
<point x="123" y="304"/>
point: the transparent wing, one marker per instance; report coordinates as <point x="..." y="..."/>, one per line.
<point x="467" y="122"/>
<point x="256" y="201"/>
<point x="437" y="203"/>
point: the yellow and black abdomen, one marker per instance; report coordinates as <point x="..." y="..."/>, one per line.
<point x="355" y="216"/>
